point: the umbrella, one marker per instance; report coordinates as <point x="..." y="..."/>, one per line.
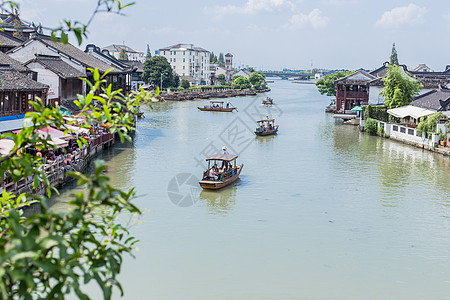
<point x="357" y="108"/>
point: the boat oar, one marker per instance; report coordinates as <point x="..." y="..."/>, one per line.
<point x="234" y="106"/>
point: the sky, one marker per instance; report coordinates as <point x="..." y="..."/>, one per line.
<point x="271" y="34"/>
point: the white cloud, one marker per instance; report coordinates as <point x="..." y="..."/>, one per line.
<point x="405" y="15"/>
<point x="251" y="7"/>
<point x="314" y="19"/>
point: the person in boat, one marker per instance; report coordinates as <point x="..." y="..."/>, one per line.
<point x="228" y="103"/>
<point x="213" y="172"/>
<point x="225" y="163"/>
<point x="267" y="117"/>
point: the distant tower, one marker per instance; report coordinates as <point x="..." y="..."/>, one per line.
<point x="229" y="65"/>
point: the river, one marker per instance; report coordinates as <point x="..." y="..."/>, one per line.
<point x="321" y="211"/>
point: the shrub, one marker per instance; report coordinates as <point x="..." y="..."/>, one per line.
<point x="371" y="126"/>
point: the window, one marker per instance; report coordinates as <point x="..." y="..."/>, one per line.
<point x="402" y="129"/>
<point x="170" y="60"/>
<point x="174" y="67"/>
<point x="411" y="131"/>
<point x="184" y="59"/>
<point x="395" y="128"/>
<point x="174" y="60"/>
<point x="184" y="67"/>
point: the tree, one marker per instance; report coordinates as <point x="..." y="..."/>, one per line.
<point x="326" y="84"/>
<point x="393" y="58"/>
<point x="251" y="69"/>
<point x="185" y="84"/>
<point x="398" y="89"/>
<point x="123" y="54"/>
<point x="222" y="79"/>
<point x="149" y="53"/>
<point x="241" y="82"/>
<point x="221" y="60"/>
<point x="157" y="66"/>
<point x="49" y="254"/>
<point x="212" y="58"/>
<point x="256" y="79"/>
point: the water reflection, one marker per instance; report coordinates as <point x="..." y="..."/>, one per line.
<point x="266" y="139"/>
<point x="221" y="201"/>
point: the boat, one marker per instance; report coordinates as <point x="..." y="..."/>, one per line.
<point x="331" y="107"/>
<point x="266" y="127"/>
<point x="216" y="106"/>
<point x="268" y="101"/>
<point x="228" y="173"/>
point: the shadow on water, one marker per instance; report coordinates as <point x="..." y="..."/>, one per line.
<point x="220" y="202"/>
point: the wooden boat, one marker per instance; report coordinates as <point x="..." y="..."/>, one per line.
<point x="229" y="173"/>
<point x="216" y="106"/>
<point x="266" y="127"/>
<point x="267" y="101"/>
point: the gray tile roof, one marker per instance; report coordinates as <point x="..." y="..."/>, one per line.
<point x="58" y="66"/>
<point x="78" y="54"/>
<point x="11" y="80"/>
<point x="434" y="100"/>
<point x="8" y="41"/>
<point x="16" y="65"/>
<point x="117" y="48"/>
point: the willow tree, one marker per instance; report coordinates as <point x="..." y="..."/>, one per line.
<point x="399" y="89"/>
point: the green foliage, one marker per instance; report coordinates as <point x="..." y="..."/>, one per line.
<point x="371" y="126"/>
<point x="123" y="54"/>
<point x="256" y="79"/>
<point x="326" y="84"/>
<point x="251" y="69"/>
<point x="241" y="83"/>
<point x="213" y="58"/>
<point x="149" y="53"/>
<point x="221" y="60"/>
<point x="428" y="124"/>
<point x="222" y="79"/>
<point x="185" y="84"/>
<point x="50" y="254"/>
<point x="398" y="89"/>
<point x="394" y="58"/>
<point x="154" y="67"/>
<point x="378" y="112"/>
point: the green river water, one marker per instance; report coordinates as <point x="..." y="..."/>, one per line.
<point x="321" y="211"/>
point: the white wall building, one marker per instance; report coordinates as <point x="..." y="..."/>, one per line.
<point x="187" y="60"/>
<point x="133" y="55"/>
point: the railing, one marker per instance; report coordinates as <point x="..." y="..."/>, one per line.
<point x="353" y="95"/>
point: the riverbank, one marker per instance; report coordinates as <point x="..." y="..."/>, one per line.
<point x="192" y="95"/>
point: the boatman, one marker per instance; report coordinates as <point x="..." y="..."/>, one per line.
<point x="225" y="150"/>
<point x="228" y="103"/>
<point x="225" y="163"/>
<point x="267" y="117"/>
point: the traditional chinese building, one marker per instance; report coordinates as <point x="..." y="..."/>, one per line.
<point x="16" y="90"/>
<point x="352" y="91"/>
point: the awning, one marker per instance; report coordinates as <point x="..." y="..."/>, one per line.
<point x="410" y="111"/>
<point x="357" y="108"/>
<point x="58" y="142"/>
<point x="54" y="133"/>
<point x="77" y="130"/>
<point x="6" y="146"/>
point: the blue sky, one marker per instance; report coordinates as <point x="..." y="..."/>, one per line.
<point x="273" y="34"/>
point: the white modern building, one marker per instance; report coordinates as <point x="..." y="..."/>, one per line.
<point x="133" y="55"/>
<point x="189" y="61"/>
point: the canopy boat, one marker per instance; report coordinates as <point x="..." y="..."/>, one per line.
<point x="268" y="101"/>
<point x="215" y="178"/>
<point x="266" y="127"/>
<point x="216" y="106"/>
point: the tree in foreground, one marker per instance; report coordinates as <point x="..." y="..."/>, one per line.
<point x="399" y="89"/>
<point x="158" y="67"/>
<point x="394" y="58"/>
<point x="326" y="84"/>
<point x="49" y="255"/>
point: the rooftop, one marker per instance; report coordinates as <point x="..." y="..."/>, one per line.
<point x="58" y="66"/>
<point x="12" y="80"/>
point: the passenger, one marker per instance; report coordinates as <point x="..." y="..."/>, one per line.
<point x="213" y="172"/>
